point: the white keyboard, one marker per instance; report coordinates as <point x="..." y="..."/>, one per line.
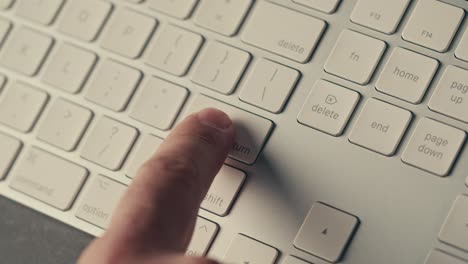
<point x="351" y="116"/>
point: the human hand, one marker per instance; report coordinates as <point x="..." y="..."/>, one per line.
<point x="154" y="220"/>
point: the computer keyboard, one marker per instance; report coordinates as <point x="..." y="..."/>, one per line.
<point x="347" y="112"/>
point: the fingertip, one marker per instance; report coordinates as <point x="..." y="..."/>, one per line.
<point x="214" y="118"/>
<point x="209" y="126"/>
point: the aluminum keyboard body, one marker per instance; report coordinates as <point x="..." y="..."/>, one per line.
<point x="400" y="205"/>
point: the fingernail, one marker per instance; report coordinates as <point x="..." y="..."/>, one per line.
<point x="214" y="118"/>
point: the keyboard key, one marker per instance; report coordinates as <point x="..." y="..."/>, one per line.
<point x="293" y="260"/>
<point x="21" y="105"/>
<point x="223" y="17"/>
<point x="328" y="107"/>
<point x="204" y="233"/>
<point x="252" y="130"/>
<point x="113" y="84"/>
<point x="223" y="190"/>
<point x="109" y="143"/>
<point x="48" y="178"/>
<point x="39" y="11"/>
<point x="69" y="68"/>
<point x="159" y="103"/>
<point x="128" y="32"/>
<point x="247" y="250"/>
<point x="283" y="31"/>
<point x="451" y="95"/>
<point x="84" y="19"/>
<point x="433" y="24"/>
<point x="269" y="85"/>
<point x="454" y="230"/>
<point x="64" y="124"/>
<point x="327" y="6"/>
<point x="100" y="201"/>
<point x="355" y="57"/>
<point x="326" y="232"/>
<point x="220" y="67"/>
<point x="433" y="147"/>
<point x="6" y="4"/>
<point x="407" y="75"/>
<point x="462" y="50"/>
<point x="438" y="257"/>
<point x="146" y="148"/>
<point x="177" y="8"/>
<point x="10" y="148"/>
<point x="381" y="15"/>
<point x="173" y="50"/>
<point x="380" y="127"/>
<point x="25" y="51"/>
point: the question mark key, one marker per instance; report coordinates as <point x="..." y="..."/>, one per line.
<point x="109" y="143"/>
<point x="114" y="131"/>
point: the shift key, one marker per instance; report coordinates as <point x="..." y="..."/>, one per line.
<point x="252" y="131"/>
<point x="283" y="31"/>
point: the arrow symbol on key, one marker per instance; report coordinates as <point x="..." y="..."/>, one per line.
<point x="24" y="97"/>
<point x="67" y="114"/>
<point x="204" y="227"/>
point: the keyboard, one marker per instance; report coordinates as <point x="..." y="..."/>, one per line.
<point x="352" y="118"/>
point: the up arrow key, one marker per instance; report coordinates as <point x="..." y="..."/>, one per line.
<point x="315" y="237"/>
<point x="204" y="234"/>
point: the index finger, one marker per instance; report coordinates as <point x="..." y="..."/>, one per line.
<point x="159" y="209"/>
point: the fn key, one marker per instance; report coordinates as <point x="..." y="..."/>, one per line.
<point x="326" y="232"/>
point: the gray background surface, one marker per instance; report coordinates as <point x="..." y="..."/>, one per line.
<point x="27" y="236"/>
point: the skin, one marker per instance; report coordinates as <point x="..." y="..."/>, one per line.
<point x="154" y="220"/>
